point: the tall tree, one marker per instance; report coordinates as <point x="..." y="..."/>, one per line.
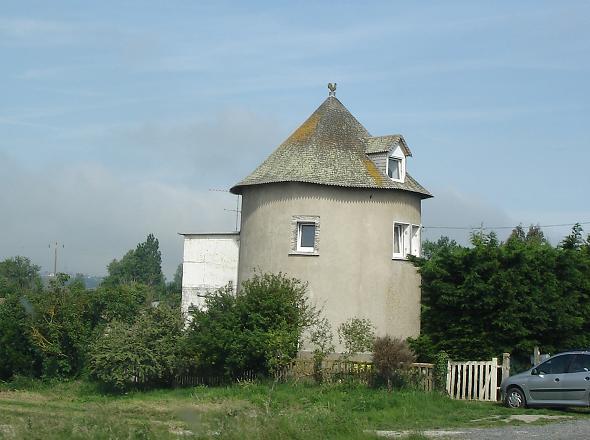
<point x="18" y="275"/>
<point x="140" y="265"/>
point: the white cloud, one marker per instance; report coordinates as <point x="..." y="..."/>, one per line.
<point x="99" y="215"/>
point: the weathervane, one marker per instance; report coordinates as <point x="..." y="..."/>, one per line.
<point x="332" y="88"/>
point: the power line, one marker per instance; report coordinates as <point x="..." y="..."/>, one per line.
<point x="481" y="227"/>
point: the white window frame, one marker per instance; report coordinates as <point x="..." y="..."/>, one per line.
<point x="410" y="240"/>
<point x="398" y="155"/>
<point x="300" y="248"/>
<point x="415" y="240"/>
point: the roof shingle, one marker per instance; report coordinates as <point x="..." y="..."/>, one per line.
<point x="381" y="144"/>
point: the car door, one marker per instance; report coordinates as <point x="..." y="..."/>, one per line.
<point x="545" y="388"/>
<point x="575" y="384"/>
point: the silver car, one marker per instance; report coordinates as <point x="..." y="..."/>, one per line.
<point x="562" y="380"/>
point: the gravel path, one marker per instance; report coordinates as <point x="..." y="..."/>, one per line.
<point x="571" y="430"/>
<point x="566" y="430"/>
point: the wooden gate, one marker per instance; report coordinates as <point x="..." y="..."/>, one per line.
<point x="476" y="380"/>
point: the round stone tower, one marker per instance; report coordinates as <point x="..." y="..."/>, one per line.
<point x="335" y="207"/>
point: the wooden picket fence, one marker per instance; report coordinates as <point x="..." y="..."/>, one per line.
<point x="304" y="369"/>
<point x="477" y="380"/>
<point x="188" y="379"/>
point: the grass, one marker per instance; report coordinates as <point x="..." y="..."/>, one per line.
<point x="37" y="410"/>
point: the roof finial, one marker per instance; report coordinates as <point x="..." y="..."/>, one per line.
<point x="332" y="88"/>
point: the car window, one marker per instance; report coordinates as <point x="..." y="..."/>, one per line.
<point x="580" y="364"/>
<point x="556" y="365"/>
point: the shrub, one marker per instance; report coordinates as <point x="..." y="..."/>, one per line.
<point x="258" y="331"/>
<point x="321" y="339"/>
<point x="357" y="335"/>
<point x="62" y="327"/>
<point x="143" y="354"/>
<point x="391" y="356"/>
<point x="121" y="302"/>
<point x="441" y="360"/>
<point x="17" y="353"/>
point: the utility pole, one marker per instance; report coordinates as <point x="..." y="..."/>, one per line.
<point x="55" y="257"/>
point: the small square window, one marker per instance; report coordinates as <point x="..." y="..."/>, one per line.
<point x="305" y="237"/>
<point x="394" y="168"/>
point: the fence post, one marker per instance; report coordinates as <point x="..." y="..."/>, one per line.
<point x="449" y="378"/>
<point x="505" y="365"/>
<point x="494" y="382"/>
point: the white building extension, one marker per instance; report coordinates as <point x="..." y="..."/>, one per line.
<point x="210" y="261"/>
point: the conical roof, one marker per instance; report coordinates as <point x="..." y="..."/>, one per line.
<point x="327" y="149"/>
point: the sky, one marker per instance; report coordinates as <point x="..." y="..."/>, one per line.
<point x="119" y="118"/>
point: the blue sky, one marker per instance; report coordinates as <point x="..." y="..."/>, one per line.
<point x="116" y="118"/>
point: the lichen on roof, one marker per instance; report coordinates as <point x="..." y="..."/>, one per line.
<point x="330" y="148"/>
<point x="374" y="172"/>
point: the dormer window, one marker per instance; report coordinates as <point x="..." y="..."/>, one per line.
<point x="396" y="165"/>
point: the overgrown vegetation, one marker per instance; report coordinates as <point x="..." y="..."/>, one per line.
<point x="64" y="410"/>
<point x="48" y="331"/>
<point x="144" y="353"/>
<point x="495" y="297"/>
<point x="127" y="334"/>
<point x="391" y="357"/>
<point x="478" y="302"/>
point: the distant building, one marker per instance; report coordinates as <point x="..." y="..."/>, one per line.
<point x="333" y="206"/>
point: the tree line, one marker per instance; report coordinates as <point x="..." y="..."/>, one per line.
<point x="477" y="302"/>
<point x="49" y="330"/>
<point x="492" y="297"/>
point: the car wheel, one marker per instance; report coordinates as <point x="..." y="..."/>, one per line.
<point x="515" y="398"/>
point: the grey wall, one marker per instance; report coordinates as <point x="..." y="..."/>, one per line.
<point x="380" y="160"/>
<point x="354" y="274"/>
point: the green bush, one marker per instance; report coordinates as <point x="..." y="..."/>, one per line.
<point x="321" y="339"/>
<point x="357" y="335"/>
<point x="258" y="330"/>
<point x="120" y="302"/>
<point x="62" y="327"/>
<point x="17" y="353"/>
<point x="143" y="354"/>
<point x="441" y="365"/>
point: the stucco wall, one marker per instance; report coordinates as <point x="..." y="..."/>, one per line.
<point x="210" y="261"/>
<point x="354" y="274"/>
